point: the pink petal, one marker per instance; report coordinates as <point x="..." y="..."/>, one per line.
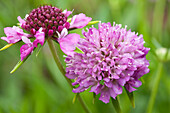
<point x="112" y="93"/>
<point x="11" y="39"/>
<point x="117" y="88"/>
<point x="9" y="31"/>
<point x="64" y="32"/>
<point x="96" y="88"/>
<point x="25" y="50"/>
<point x="14" y="34"/>
<point x="67" y="13"/>
<point x="40" y="38"/>
<point x="105" y="96"/>
<point x="129" y="87"/>
<point x="68" y="43"/>
<point x="26" y="40"/>
<point x="79" y="21"/>
<point x="22" y="21"/>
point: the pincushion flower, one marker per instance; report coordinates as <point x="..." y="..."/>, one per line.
<point x="113" y="58"/>
<point x="43" y="23"/>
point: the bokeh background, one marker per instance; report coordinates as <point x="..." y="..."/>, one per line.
<point x="38" y="86"/>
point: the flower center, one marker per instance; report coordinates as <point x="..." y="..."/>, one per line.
<point x="51" y="19"/>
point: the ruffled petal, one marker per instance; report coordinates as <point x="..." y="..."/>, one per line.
<point x="25" y="50"/>
<point x="79" y="21"/>
<point x="14" y="34"/>
<point x="68" y="43"/>
<point x="40" y="38"/>
<point x="105" y="96"/>
<point x="67" y="13"/>
<point x="21" y="21"/>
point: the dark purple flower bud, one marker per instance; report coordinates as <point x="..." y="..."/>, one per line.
<point x="51" y="22"/>
<point x="67" y="25"/>
<point x="45" y="7"/>
<point x="39" y="11"/>
<point x="47" y="11"/>
<point x="35" y="26"/>
<point x="61" y="22"/>
<point x="32" y="23"/>
<point x="58" y="18"/>
<point x="54" y="28"/>
<point x="43" y="25"/>
<point x="39" y="23"/>
<point x="44" y="13"/>
<point x="55" y="23"/>
<point x="56" y="10"/>
<point x="33" y="31"/>
<point x="49" y="27"/>
<point x="50" y="32"/>
<point x="53" y="18"/>
<point x="48" y="16"/>
<point x="60" y="28"/>
<point x="42" y="18"/>
<point x="46" y="21"/>
<point x="52" y="13"/>
<point x="44" y="30"/>
<point x="35" y="20"/>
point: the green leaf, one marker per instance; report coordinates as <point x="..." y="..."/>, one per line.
<point x="131" y="98"/>
<point x="6" y="46"/>
<point x="116" y="105"/>
<point x="93" y="22"/>
<point x="18" y="64"/>
<point x="77" y="50"/>
<point x="75" y="97"/>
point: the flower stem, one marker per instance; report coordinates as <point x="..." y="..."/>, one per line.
<point x="155" y="88"/>
<point x="62" y="70"/>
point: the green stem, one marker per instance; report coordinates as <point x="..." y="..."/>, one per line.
<point x="116" y="105"/>
<point x="83" y="104"/>
<point x="62" y="70"/>
<point x="155" y="88"/>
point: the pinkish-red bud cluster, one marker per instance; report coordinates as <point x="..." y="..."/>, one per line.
<point x="50" y="18"/>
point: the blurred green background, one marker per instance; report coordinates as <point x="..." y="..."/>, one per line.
<point x="38" y="86"/>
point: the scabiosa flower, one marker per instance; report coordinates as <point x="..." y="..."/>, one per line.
<point x="113" y="57"/>
<point x="46" y="22"/>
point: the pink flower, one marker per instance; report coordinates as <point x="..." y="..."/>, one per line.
<point x="14" y="34"/>
<point x="40" y="38"/>
<point x="68" y="42"/>
<point x="27" y="48"/>
<point x="79" y="21"/>
<point x="113" y="58"/>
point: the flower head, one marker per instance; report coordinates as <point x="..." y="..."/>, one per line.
<point x="50" y="18"/>
<point x="113" y="57"/>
